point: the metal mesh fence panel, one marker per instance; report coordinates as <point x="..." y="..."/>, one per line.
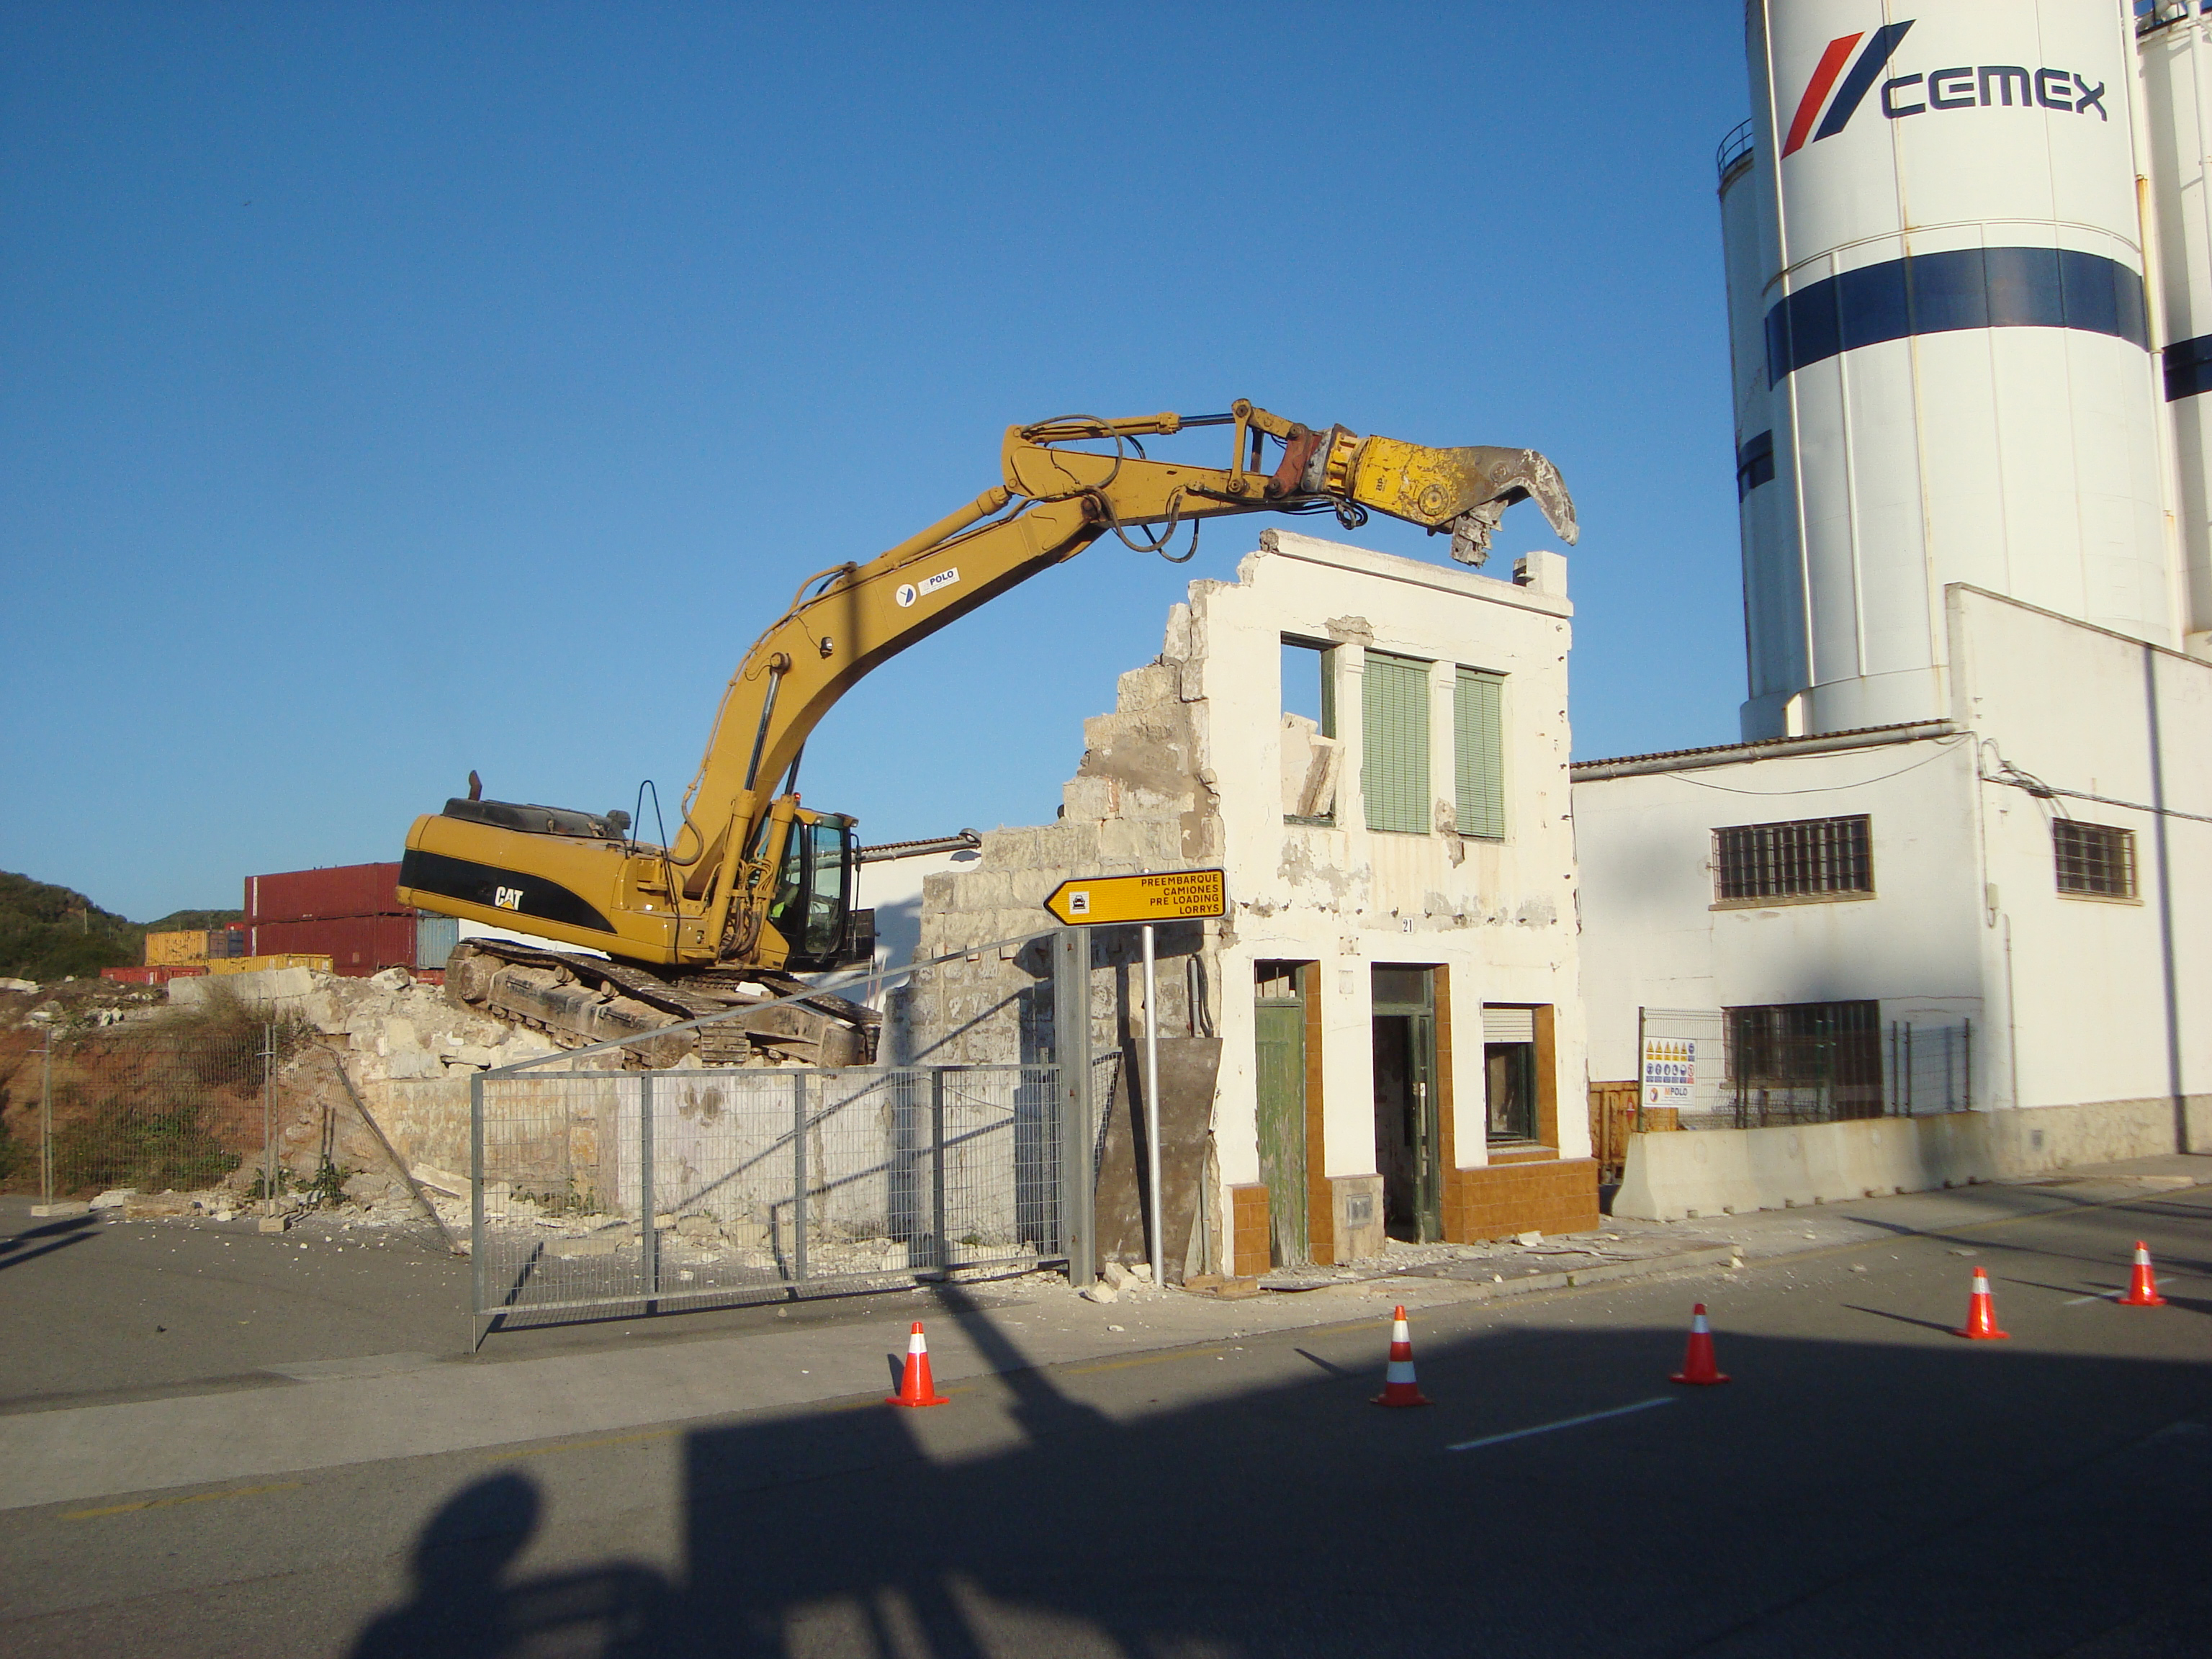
<point x="156" y="1113"/>
<point x="1931" y="1067"/>
<point x="602" y="1190"/>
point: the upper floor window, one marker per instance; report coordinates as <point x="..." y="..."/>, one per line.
<point x="1311" y="759"/>
<point x="2093" y="859"/>
<point x="1809" y="858"/>
<point x="1394" y="774"/>
<point x="1479" y="754"/>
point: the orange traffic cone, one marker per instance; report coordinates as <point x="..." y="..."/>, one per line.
<point x="1982" y="1313"/>
<point x="1399" y="1387"/>
<point x="915" y="1387"/>
<point x="2142" y="1288"/>
<point x="1698" y="1365"/>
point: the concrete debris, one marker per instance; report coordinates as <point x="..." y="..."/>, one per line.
<point x="1117" y="1276"/>
<point x="114" y="1198"/>
<point x="1141" y="1271"/>
<point x="1101" y="1292"/>
<point x="1528" y="1238"/>
<point x="18" y="985"/>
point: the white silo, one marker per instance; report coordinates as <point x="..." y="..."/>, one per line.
<point x="2174" y="49"/>
<point x="1960" y="383"/>
<point x="1765" y="484"/>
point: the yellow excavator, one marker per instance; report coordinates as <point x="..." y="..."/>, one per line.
<point x="755" y="890"/>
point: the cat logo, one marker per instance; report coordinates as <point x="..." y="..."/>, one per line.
<point x="507" y="898"/>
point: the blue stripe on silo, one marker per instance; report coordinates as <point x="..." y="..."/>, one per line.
<point x="1970" y="287"/>
<point x="2188" y="369"/>
<point x="1754" y="463"/>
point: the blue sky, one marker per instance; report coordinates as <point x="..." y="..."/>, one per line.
<point x="393" y="390"/>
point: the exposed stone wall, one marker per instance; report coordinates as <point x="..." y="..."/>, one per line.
<point x="408" y="1050"/>
<point x="1141" y="800"/>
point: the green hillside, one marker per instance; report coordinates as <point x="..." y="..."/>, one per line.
<point x="49" y="932"/>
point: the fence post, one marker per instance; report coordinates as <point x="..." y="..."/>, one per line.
<point x="479" y="1326"/>
<point x="649" y="1198"/>
<point x="1908" y="1068"/>
<point x="1071" y="1053"/>
<point x="269" y="1119"/>
<point x="943" y="1251"/>
<point x="46" y="1119"/>
<point x="798" y="1176"/>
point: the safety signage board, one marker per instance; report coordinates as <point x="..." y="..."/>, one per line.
<point x="1670" y="1071"/>
<point x="1177" y="895"/>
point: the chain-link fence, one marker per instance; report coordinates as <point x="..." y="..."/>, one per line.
<point x="1931" y="1067"/>
<point x="765" y="1183"/>
<point x="1761" y="1067"/>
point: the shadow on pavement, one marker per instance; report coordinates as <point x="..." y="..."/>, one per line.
<point x="465" y="1607"/>
<point x="56" y="1234"/>
<point x="1876" y="1498"/>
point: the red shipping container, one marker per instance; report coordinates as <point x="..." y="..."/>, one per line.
<point x="347" y="889"/>
<point x="359" y="945"/>
<point x="159" y="974"/>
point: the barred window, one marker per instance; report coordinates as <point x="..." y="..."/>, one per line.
<point x="1803" y="860"/>
<point x="2095" y="858"/>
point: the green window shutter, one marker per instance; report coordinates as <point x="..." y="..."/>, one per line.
<point x="1394" y="771"/>
<point x="1478" y="754"/>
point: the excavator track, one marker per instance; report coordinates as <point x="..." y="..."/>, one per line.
<point x="579" y="999"/>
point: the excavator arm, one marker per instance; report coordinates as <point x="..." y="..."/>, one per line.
<point x="707" y="900"/>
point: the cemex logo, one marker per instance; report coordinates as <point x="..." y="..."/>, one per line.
<point x="1967" y="87"/>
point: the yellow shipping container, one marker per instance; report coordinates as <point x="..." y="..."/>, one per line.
<point x="168" y="949"/>
<point x="255" y="964"/>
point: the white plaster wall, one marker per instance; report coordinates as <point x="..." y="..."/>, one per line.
<point x="1655" y="937"/>
<point x="2074" y="707"/>
<point x="1498" y="915"/>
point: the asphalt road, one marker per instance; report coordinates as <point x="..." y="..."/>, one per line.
<point x="1869" y="1484"/>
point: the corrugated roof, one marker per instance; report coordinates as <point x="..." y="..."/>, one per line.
<point x="1721" y="752"/>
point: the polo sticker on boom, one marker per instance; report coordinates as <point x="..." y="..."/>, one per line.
<point x="908" y="592"/>
<point x="1967" y="85"/>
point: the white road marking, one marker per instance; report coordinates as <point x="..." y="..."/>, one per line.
<point x="1565" y="1423"/>
<point x="2100" y="1296"/>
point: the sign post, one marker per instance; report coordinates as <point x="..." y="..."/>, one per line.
<point x="1071" y="1052"/>
<point x="1102" y="901"/>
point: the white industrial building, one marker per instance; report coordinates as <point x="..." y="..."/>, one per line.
<point x="1959" y="871"/>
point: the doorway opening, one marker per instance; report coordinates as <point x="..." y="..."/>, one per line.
<point x="1408" y="1135"/>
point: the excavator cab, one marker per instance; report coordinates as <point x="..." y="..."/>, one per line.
<point x="811" y="907"/>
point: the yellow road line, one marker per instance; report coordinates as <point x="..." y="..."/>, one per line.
<point x="193" y="1498"/>
<point x="1145" y="1359"/>
<point x="586" y="1445"/>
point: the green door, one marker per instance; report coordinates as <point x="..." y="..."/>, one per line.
<point x="1280" y="1042"/>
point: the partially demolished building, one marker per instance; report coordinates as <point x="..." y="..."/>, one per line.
<point x="1384" y="1034"/>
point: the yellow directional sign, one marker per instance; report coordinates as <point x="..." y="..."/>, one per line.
<point x="1175" y="896"/>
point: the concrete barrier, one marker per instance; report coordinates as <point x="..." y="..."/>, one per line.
<point x="282" y="989"/>
<point x="1707" y="1172"/>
